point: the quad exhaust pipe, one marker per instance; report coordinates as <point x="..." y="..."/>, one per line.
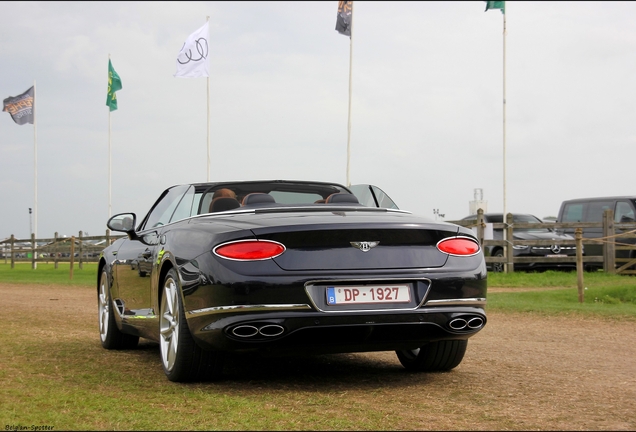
<point x="250" y="331"/>
<point x="466" y="322"/>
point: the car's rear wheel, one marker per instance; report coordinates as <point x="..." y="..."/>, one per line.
<point x="498" y="267"/>
<point x="110" y="336"/>
<point x="434" y="356"/>
<point x="183" y="360"/>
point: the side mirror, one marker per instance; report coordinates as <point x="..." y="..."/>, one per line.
<point x="123" y="222"/>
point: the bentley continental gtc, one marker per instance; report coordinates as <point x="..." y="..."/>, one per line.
<point x="216" y="270"/>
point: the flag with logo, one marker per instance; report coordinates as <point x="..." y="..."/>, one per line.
<point x="21" y="107"/>
<point x="343" y="19"/>
<point x="114" y="84"/>
<point x="496" y="5"/>
<point x="192" y="60"/>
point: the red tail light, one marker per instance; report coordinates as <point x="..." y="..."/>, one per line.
<point x="460" y="246"/>
<point x="249" y="250"/>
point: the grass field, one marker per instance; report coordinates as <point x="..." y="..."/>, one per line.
<point x="604" y="294"/>
<point x="48" y="274"/>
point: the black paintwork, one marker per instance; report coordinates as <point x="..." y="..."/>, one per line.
<point x="220" y="294"/>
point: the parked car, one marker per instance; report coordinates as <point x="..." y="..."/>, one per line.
<point x="549" y="252"/>
<point x="288" y="267"/>
<point x="591" y="210"/>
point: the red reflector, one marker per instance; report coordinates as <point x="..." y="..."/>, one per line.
<point x="250" y="250"/>
<point x="458" y="246"/>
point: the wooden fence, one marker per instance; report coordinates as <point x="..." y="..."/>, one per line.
<point x="617" y="239"/>
<point x="80" y="249"/>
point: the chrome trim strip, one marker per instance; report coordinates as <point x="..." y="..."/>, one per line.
<point x="356" y="281"/>
<point x="250" y="308"/>
<point x="478" y="301"/>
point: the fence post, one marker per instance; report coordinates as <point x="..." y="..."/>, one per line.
<point x="510" y="267"/>
<point x="107" y="237"/>
<point x="72" y="256"/>
<point x="480" y="226"/>
<point x="81" y="249"/>
<point x="578" y="235"/>
<point x="55" y="252"/>
<point x="609" y="248"/>
<point x="12" y="251"/>
<point x="33" y="251"/>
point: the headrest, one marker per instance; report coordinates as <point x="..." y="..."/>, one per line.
<point x="223" y="204"/>
<point x="342" y="198"/>
<point x="258" y="198"/>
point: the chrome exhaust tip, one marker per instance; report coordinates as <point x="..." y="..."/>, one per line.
<point x="475" y="323"/>
<point x="245" y="331"/>
<point x="271" y="330"/>
<point x="458" y="324"/>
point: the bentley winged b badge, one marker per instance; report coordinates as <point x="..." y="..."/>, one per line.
<point x="365" y="246"/>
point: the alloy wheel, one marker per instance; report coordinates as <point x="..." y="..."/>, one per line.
<point x="169" y="324"/>
<point x="104" y="307"/>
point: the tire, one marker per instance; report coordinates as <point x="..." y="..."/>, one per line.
<point x="182" y="359"/>
<point x="434" y="356"/>
<point x="111" y="337"/>
<point x="498" y="267"/>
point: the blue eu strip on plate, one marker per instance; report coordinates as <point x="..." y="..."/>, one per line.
<point x="331" y="295"/>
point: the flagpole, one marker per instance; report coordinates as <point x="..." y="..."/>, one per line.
<point x="504" y="118"/>
<point x="505" y="206"/>
<point x="35" y="178"/>
<point x="109" y="156"/>
<point x="349" y="114"/>
<point x="208" y="102"/>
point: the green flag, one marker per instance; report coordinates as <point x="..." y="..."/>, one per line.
<point x="496" y="5"/>
<point x="114" y="84"/>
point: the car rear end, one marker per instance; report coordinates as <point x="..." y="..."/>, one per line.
<point x="334" y="281"/>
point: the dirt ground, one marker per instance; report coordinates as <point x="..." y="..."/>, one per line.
<point x="531" y="371"/>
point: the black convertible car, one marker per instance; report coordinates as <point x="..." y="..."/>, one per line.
<point x="282" y="267"/>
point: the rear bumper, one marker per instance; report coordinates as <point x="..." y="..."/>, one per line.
<point x="318" y="332"/>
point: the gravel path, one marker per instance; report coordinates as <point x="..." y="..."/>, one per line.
<point x="522" y="372"/>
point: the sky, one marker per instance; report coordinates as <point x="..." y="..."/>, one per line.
<point x="427" y="116"/>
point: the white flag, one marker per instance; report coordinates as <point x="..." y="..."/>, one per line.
<point x="192" y="61"/>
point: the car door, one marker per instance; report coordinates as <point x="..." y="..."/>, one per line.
<point x="136" y="258"/>
<point x="132" y="270"/>
<point x="372" y="196"/>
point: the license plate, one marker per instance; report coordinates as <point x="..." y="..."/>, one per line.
<point x="368" y="294"/>
<point x="556" y="256"/>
